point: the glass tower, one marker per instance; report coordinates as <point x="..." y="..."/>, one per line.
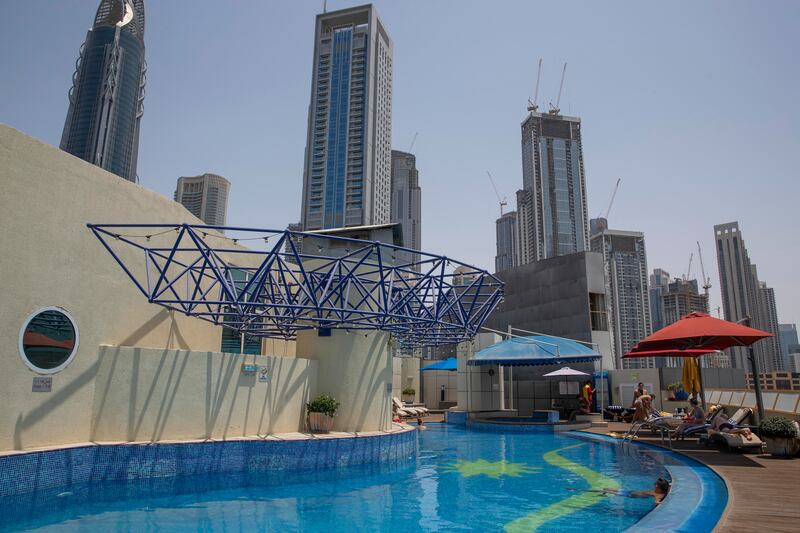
<point x="407" y="202"/>
<point x="625" y="260"/>
<point x="552" y="169"/>
<point x="106" y="100"/>
<point x="347" y="170"/>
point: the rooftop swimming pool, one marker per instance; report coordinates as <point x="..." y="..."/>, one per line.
<point x="458" y="479"/>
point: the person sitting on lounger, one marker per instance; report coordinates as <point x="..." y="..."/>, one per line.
<point x="696" y="416"/>
<point x="659" y="492"/>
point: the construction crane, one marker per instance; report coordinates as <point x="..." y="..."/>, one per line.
<point x="412" y="142"/>
<point x="706" y="281"/>
<point x="689" y="269"/>
<point x="533" y="106"/>
<point x="502" y="200"/>
<point x="613" y="196"/>
<point x="554" y="109"/>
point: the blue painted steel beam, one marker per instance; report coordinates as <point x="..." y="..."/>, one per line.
<point x="282" y="289"/>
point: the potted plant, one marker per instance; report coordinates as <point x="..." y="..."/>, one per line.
<point x="320" y="413"/>
<point x="408" y="394"/>
<point x="780" y="434"/>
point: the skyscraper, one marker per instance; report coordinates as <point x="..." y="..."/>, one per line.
<point x="625" y="261"/>
<point x="788" y="337"/>
<point x="506" y="238"/>
<point x="681" y="298"/>
<point x="106" y="101"/>
<point x="743" y="296"/>
<point x="671" y="300"/>
<point x="659" y="282"/>
<point x="347" y="169"/>
<point x="205" y="196"/>
<point x="406" y="201"/>
<point x="768" y="316"/>
<point x="552" y="170"/>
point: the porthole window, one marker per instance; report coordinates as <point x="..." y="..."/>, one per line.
<point x="48" y="340"/>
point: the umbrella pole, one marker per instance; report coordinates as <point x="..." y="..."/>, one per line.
<point x="756" y="382"/>
<point x="702" y="389"/>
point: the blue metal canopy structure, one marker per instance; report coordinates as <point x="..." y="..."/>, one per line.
<point x="281" y="288"/>
<point x="451" y="364"/>
<point x="535" y="350"/>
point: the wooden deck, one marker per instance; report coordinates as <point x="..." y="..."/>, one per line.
<point x="763" y="492"/>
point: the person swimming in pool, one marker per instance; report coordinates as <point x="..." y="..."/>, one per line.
<point x="659" y="492"/>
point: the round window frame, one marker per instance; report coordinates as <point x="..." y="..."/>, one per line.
<point x="21" y="346"/>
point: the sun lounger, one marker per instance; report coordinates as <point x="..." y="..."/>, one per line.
<point x="733" y="434"/>
<point x="407" y="412"/>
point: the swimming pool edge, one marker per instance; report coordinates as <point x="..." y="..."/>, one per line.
<point x="671" y="514"/>
<point x="40" y="470"/>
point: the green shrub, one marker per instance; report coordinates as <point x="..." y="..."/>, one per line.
<point x="324" y="404"/>
<point x="675" y="386"/>
<point x="777" y="427"/>
<point x="408" y="391"/>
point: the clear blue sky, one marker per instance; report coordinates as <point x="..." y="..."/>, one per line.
<point x="694" y="104"/>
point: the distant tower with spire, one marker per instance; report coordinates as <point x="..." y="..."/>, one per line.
<point x="106" y="101"/>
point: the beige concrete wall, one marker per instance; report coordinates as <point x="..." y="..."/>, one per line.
<point x="405" y="373"/>
<point x="154" y="394"/>
<point x="477" y="390"/>
<point x="355" y="368"/>
<point x="434" y="381"/>
<point x="49" y="258"/>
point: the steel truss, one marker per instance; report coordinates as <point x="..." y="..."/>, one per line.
<point x="275" y="292"/>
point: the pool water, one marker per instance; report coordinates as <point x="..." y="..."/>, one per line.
<point x="460" y="480"/>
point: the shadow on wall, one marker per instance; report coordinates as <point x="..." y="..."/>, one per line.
<point x="150" y="394"/>
<point x="368" y="373"/>
<point x="86" y="378"/>
<point x="174" y="337"/>
<point x="57" y="399"/>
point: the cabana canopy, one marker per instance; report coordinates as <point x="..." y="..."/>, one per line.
<point x="535" y="350"/>
<point x="445" y="364"/>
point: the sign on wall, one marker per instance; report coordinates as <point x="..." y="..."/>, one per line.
<point x="42" y="384"/>
<point x="263" y="374"/>
<point x="249" y="369"/>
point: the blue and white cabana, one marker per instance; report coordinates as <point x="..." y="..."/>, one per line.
<point x="535" y="350"/>
<point x="532" y="350"/>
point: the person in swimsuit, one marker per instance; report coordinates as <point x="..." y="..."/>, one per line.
<point x="659" y="492"/>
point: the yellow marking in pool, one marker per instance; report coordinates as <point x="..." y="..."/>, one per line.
<point x="494" y="470"/>
<point x="581" y="500"/>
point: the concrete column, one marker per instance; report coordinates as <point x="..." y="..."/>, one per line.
<point x="354" y="368"/>
<point x="501" y="378"/>
<point x="511" y="387"/>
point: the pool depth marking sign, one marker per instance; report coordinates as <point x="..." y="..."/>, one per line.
<point x="42" y="384"/>
<point x="263" y="374"/>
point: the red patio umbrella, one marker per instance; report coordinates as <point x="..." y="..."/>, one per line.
<point x="667" y="353"/>
<point x="698" y="333"/>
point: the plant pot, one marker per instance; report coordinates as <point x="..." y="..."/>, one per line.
<point x="781" y="446"/>
<point x="408" y="398"/>
<point x="320" y="422"/>
<point x="681" y="395"/>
